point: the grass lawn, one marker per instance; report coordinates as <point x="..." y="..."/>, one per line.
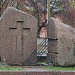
<point x="12" y="68"/>
<point x="46" y="67"/>
<point x="51" y="68"/>
<point x="5" y="68"/>
<point x="60" y="68"/>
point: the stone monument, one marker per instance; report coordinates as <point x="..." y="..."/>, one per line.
<point x="18" y="37"/>
<point x="61" y="51"/>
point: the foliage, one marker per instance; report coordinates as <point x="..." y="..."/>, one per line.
<point x="4" y="68"/>
<point x="50" y="68"/>
<point x="60" y="68"/>
<point x="72" y="3"/>
<point x="65" y="8"/>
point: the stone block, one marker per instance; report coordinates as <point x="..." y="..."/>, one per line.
<point x="18" y="37"/>
<point x="64" y="47"/>
<point x="52" y="46"/>
<point x="52" y="58"/>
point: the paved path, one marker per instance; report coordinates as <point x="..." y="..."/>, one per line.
<point x="35" y="70"/>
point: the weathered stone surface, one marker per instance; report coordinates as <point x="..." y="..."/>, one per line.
<point x="18" y="37"/>
<point x="52" y="58"/>
<point x="52" y="35"/>
<point x="65" y="47"/>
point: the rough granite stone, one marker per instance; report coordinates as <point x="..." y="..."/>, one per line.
<point x="64" y="49"/>
<point x="18" y="37"/>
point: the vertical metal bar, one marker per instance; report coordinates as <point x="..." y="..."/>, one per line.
<point x="48" y="7"/>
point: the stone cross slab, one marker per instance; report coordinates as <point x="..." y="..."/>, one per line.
<point x="18" y="32"/>
<point x="18" y="37"/>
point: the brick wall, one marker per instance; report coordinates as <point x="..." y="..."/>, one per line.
<point x="37" y="73"/>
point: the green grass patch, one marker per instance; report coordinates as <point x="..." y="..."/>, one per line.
<point x="11" y="68"/>
<point x="4" y="68"/>
<point x="52" y="68"/>
<point x="60" y="68"/>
